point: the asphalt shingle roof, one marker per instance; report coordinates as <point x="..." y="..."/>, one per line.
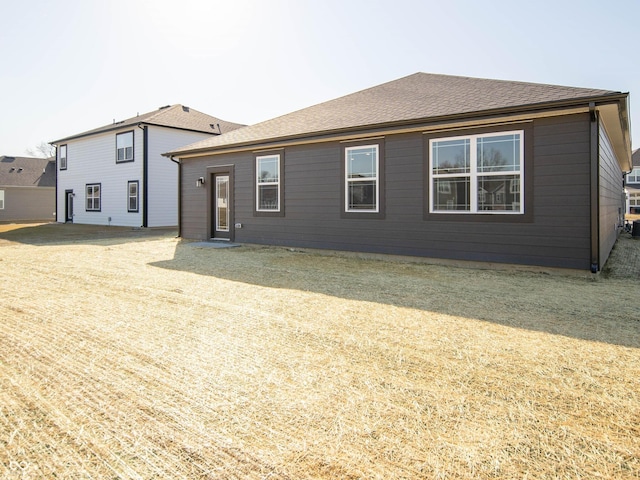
<point x="174" y="116"/>
<point x="418" y="96"/>
<point x="27" y="172"/>
<point x="635" y="157"/>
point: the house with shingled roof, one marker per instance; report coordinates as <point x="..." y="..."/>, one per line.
<point x="633" y="184"/>
<point x="27" y="189"/>
<point x="115" y="174"/>
<point x="427" y="165"/>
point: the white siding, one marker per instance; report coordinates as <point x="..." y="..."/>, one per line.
<point x="93" y="160"/>
<point x="163" y="174"/>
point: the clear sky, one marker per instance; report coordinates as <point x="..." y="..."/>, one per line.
<point x="67" y="66"/>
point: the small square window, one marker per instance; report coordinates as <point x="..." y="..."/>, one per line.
<point x="93" y="193"/>
<point x="124" y="147"/>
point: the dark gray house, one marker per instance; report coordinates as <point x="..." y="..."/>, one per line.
<point x="426" y="165"/>
<point x="27" y="189"/>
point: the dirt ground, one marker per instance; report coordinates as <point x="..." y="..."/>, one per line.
<point x="130" y="354"/>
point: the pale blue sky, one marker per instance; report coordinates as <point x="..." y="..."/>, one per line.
<point x="72" y="65"/>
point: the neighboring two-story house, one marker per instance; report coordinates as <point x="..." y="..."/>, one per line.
<point x="633" y="184"/>
<point x="115" y="174"/>
<point x="27" y="189"/>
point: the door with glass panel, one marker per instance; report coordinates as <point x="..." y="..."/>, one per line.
<point x="221" y="218"/>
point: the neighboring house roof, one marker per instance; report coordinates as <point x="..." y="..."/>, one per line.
<point x="27" y="172"/>
<point x="173" y="116"/>
<point x="420" y="96"/>
<point x="635" y="157"/>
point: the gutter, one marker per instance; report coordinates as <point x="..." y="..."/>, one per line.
<point x="594" y="189"/>
<point x="145" y="174"/>
<point x="179" y="194"/>
<point x="57" y="170"/>
<point x="425" y="122"/>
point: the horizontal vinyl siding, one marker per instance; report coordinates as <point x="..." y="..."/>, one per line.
<point x="93" y="160"/>
<point x="163" y="174"/>
<point x="611" y="191"/>
<point x="28" y="204"/>
<point x="556" y="234"/>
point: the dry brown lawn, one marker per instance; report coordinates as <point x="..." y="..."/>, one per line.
<point x="128" y="354"/>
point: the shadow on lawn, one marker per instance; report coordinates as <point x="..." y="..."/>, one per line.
<point x="70" y="233"/>
<point x="581" y="307"/>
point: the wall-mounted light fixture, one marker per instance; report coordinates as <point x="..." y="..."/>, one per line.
<point x="199" y="182"/>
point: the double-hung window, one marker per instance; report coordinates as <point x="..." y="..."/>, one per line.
<point x="62" y="154"/>
<point x="132" y="196"/>
<point x="124" y="147"/>
<point x="93" y="197"/>
<point x="268" y="183"/>
<point x="634" y="176"/>
<point x="477" y="173"/>
<point x="362" y="186"/>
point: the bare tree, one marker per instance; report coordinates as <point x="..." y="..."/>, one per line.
<point x="43" y="149"/>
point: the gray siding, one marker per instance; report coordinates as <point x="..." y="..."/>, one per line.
<point x="553" y="232"/>
<point x="611" y="191"/>
<point x="28" y="204"/>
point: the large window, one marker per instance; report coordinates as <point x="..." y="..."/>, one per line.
<point x="362" y="190"/>
<point x="62" y="154"/>
<point x="634" y="176"/>
<point x="268" y="191"/>
<point x="477" y="173"/>
<point x="93" y="197"/>
<point x="124" y="147"/>
<point x="132" y="196"/>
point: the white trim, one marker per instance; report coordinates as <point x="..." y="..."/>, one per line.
<point x="277" y="157"/>
<point x="473" y="174"/>
<point x="348" y="181"/>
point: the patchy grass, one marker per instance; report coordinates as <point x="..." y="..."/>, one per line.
<point x="157" y="359"/>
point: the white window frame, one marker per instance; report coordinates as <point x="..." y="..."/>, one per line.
<point x="515" y="187"/>
<point x="1" y="199"/>
<point x="125" y="148"/>
<point x="90" y="195"/>
<point x="349" y="181"/>
<point x="260" y="183"/>
<point x="634" y="175"/>
<point x="63" y="157"/>
<point x="136" y="196"/>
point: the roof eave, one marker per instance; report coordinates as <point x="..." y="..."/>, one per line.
<point x="497" y="112"/>
<point x="127" y="126"/>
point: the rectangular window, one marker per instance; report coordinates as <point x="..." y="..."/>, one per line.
<point x="362" y="192"/>
<point x="93" y="197"/>
<point x="268" y="183"/>
<point x="1" y="199"/>
<point x="477" y="173"/>
<point x="124" y="147"/>
<point x="62" y="154"/>
<point x="132" y="196"/>
<point x="634" y="176"/>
